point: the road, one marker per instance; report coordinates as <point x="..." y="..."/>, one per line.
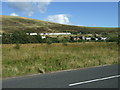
<point x="94" y="77"/>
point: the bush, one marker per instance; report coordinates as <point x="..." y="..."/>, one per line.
<point x="20" y="37"/>
<point x="48" y="41"/>
<point x="113" y="39"/>
<point x="17" y="46"/>
<point x="64" y="43"/>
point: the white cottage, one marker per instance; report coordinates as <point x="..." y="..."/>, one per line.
<point x="54" y="33"/>
<point x="96" y="39"/>
<point x="43" y="37"/>
<point x="103" y="38"/>
<point x="33" y="33"/>
<point x="88" y="38"/>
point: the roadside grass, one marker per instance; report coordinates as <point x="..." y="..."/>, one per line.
<point x="44" y="58"/>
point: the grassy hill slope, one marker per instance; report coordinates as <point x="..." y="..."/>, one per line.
<point x="15" y="23"/>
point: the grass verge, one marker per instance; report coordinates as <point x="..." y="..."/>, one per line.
<point x="44" y="58"/>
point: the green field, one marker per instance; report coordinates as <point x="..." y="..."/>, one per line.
<point x="44" y="58"/>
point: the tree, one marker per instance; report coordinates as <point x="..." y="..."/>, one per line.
<point x="38" y="39"/>
<point x="6" y="38"/>
<point x="19" y="37"/>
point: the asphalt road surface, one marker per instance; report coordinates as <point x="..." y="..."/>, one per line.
<point x="95" y="77"/>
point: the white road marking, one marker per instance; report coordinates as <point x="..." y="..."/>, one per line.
<point x="84" y="82"/>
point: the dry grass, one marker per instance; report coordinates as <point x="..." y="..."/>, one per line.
<point x="43" y="58"/>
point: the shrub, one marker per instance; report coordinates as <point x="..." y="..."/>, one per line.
<point x="17" y="46"/>
<point x="64" y="43"/>
<point x="48" y="41"/>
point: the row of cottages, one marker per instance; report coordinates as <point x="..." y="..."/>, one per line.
<point x="48" y="33"/>
<point x="89" y="38"/>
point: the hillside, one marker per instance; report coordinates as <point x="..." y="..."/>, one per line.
<point x="15" y="23"/>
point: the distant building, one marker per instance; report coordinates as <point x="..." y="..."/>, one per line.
<point x="27" y="33"/>
<point x="43" y="37"/>
<point x="88" y="38"/>
<point x="54" y="33"/>
<point x="48" y="33"/>
<point x="83" y="37"/>
<point x="103" y="38"/>
<point x="96" y="39"/>
<point x="33" y="34"/>
<point x="76" y="38"/>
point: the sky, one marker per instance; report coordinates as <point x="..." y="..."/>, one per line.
<point x="92" y="14"/>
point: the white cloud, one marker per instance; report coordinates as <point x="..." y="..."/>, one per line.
<point x="91" y="25"/>
<point x="13" y="14"/>
<point x="80" y="25"/>
<point x="60" y="18"/>
<point x="29" y="8"/>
